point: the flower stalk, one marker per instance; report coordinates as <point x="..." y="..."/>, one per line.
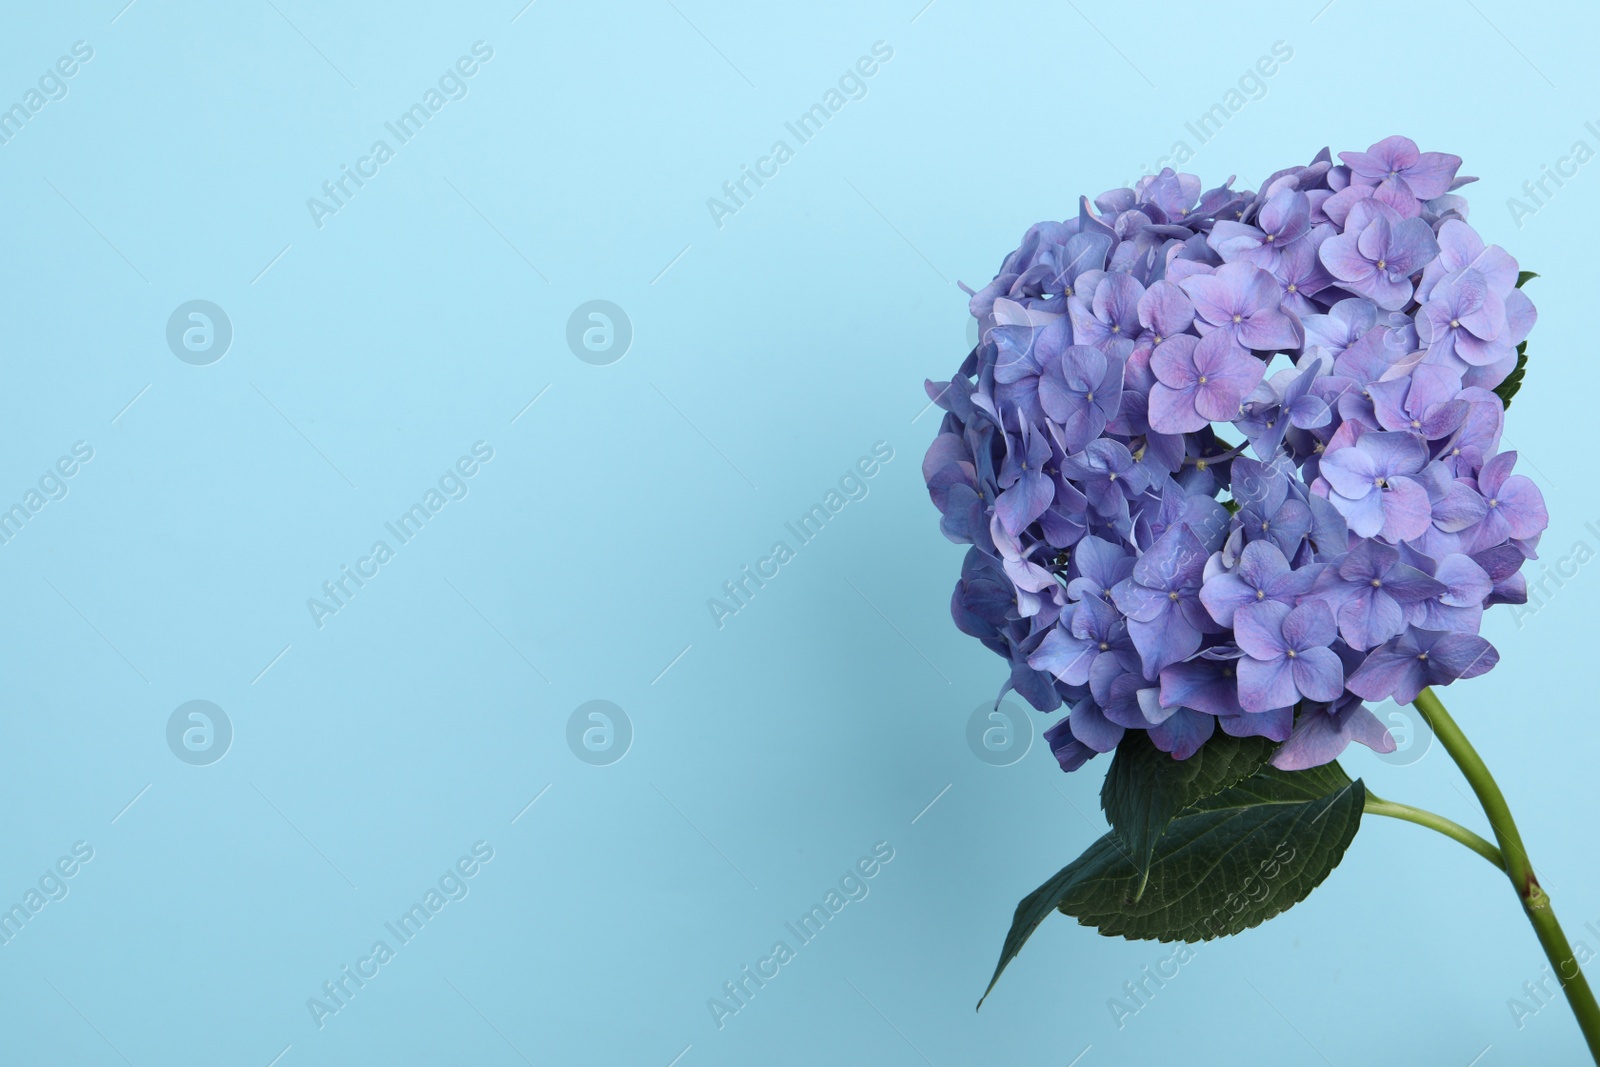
<point x="1518" y="868"/>
<point x="1422" y="817"/>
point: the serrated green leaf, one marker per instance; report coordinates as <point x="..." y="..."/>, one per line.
<point x="1210" y="863"/>
<point x="1232" y="861"/>
<point x="1145" y="788"/>
<point x="1031" y="911"/>
<point x="1524" y="277"/>
<point x="1508" y="388"/>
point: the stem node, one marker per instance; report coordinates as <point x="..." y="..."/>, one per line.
<point x="1535" y="901"/>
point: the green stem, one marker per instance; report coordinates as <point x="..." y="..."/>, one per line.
<point x="1422" y="817"/>
<point x="1535" y="902"/>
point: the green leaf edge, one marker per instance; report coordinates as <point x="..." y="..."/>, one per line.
<point x="1053" y="888"/>
<point x="1509" y="388"/>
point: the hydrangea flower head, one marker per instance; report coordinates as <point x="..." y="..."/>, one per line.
<point x="1229" y="460"/>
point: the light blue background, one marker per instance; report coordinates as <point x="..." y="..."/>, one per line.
<point x="768" y="355"/>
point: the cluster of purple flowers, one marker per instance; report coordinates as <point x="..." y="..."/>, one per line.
<point x="1145" y="564"/>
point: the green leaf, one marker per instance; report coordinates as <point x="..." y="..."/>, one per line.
<point x="1508" y="388"/>
<point x="1032" y="911"/>
<point x="1232" y="861"/>
<point x="1145" y="788"/>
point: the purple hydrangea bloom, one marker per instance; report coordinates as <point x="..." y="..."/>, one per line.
<point x="1165" y="311"/>
<point x="1080" y="391"/>
<point x="1097" y="566"/>
<point x="1400" y="668"/>
<point x="1378" y="252"/>
<point x="1465" y="587"/>
<point x="1182" y="732"/>
<point x="1515" y="509"/>
<point x="1287" y="658"/>
<point x="1097" y="629"/>
<point x="1263" y="576"/>
<point x="1344" y="324"/>
<point x="1229" y="460"/>
<point x="1268" y="418"/>
<point x="1373" y="488"/>
<point x="1301" y="277"/>
<point x="1069" y="752"/>
<point x="1467" y="319"/>
<point x="1242" y="301"/>
<point x="1206" y="682"/>
<point x="1199" y="381"/>
<point x="1424" y="175"/>
<point x="1281" y="225"/>
<point x="1026" y="488"/>
<point x="1323" y="731"/>
<point x="1426" y="403"/>
<point x="1111" y="315"/>
<point x="1268" y="508"/>
<point x="1110" y="476"/>
<point x="1372" y="590"/>
<point x="1161" y="599"/>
